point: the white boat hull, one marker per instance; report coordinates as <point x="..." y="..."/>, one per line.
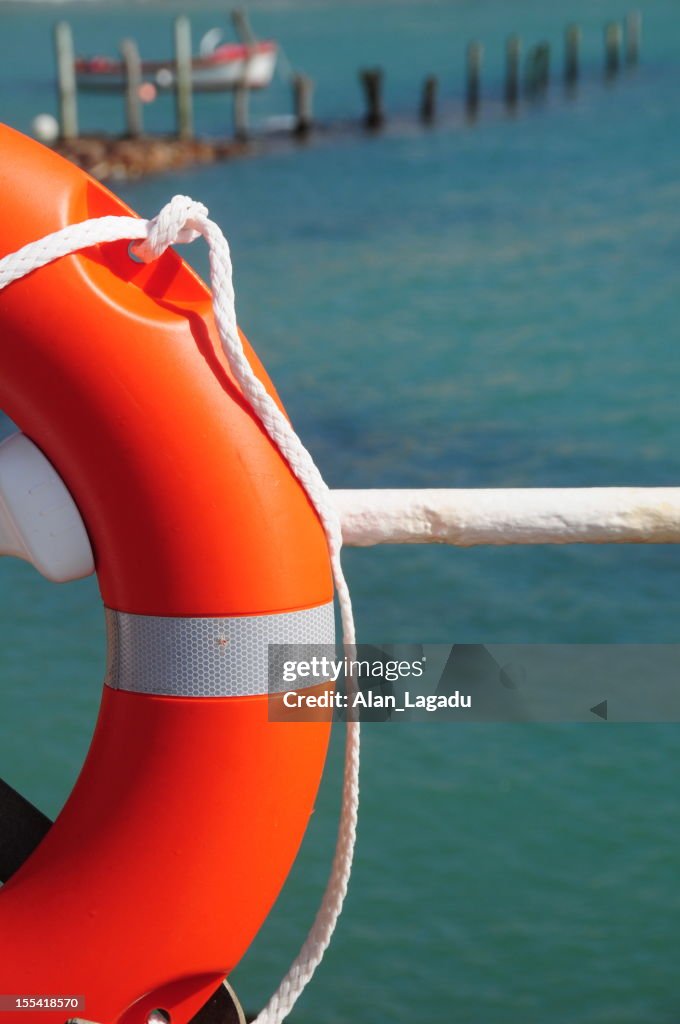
<point x="254" y="72"/>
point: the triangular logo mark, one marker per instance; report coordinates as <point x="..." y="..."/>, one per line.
<point x="600" y="710"/>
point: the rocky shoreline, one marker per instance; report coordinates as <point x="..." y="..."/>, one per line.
<point x="116" y="159"/>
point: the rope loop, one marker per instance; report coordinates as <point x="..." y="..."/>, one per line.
<point x="180" y="220"/>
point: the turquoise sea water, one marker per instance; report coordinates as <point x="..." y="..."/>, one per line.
<point x="487" y="306"/>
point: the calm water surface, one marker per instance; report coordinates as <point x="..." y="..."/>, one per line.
<point x="488" y="306"/>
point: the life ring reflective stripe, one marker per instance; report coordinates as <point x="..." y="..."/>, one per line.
<point x="207" y="657"/>
<point x="189" y="809"/>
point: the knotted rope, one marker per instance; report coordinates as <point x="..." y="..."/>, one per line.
<point x="183" y="220"/>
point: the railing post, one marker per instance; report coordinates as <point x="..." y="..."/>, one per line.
<point x="183" y="87"/>
<point x="66" y="80"/>
<point x="133" y="80"/>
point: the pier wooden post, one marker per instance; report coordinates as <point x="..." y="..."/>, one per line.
<point x="133" y="79"/>
<point x="241" y="111"/>
<point x="303" y="92"/>
<point x="372" y="80"/>
<point x="66" y="81"/>
<point x="531" y="72"/>
<point x="537" y="74"/>
<point x="473" y="68"/>
<point x="544" y="65"/>
<point x="428" y="102"/>
<point x="612" y="48"/>
<point x="572" y="45"/>
<point x="633" y="32"/>
<point x="183" y="96"/>
<point x="242" y="27"/>
<point x="244" y="32"/>
<point x="513" y="52"/>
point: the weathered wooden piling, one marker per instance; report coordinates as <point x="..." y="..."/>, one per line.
<point x="537" y="72"/>
<point x="245" y="33"/>
<point x="513" y="55"/>
<point x="473" y="72"/>
<point x="303" y="93"/>
<point x="66" y="81"/>
<point x="241" y="112"/>
<point x="530" y="72"/>
<point x="132" y="63"/>
<point x="428" y="101"/>
<point x="183" y="91"/>
<point x="572" y="46"/>
<point x="242" y="26"/>
<point x="544" y="66"/>
<point x="612" y="49"/>
<point x="372" y="80"/>
<point x="633" y="33"/>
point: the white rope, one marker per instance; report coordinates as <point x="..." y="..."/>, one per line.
<point x="183" y="220"/>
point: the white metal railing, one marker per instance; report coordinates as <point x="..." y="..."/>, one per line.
<point x="588" y="515"/>
<point x="40" y="523"/>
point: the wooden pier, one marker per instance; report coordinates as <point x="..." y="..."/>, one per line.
<point x="529" y="70"/>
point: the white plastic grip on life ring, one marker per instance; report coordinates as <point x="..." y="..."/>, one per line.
<point x="39" y="520"/>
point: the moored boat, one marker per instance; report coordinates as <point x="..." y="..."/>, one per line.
<point x="225" y="67"/>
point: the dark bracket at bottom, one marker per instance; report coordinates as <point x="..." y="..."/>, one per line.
<point x="23" y="827"/>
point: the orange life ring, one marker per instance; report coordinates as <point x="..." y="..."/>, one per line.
<point x="191" y="804"/>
